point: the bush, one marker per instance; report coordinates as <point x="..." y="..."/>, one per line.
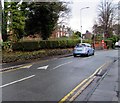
<point x="7" y="46"/>
<point x="22" y="56"/>
<point x="109" y="43"/>
<point x="26" y="46"/>
<point x="87" y="41"/>
<point x="44" y="44"/>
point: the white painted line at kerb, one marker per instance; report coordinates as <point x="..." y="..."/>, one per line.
<point x="17" y="81"/>
<point x="61" y="65"/>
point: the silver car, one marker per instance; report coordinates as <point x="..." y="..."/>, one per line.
<point x="83" y="49"/>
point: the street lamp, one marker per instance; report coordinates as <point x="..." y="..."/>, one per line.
<point x="81" y="19"/>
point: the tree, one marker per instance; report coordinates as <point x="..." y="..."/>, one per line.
<point x="13" y="21"/>
<point x="43" y="18"/>
<point x="78" y="33"/>
<point x="116" y="29"/>
<point x="4" y="24"/>
<point x="106" y="17"/>
<point x="97" y="29"/>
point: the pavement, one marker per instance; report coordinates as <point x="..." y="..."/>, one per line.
<point x="107" y="90"/>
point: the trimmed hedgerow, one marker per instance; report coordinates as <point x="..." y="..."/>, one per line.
<point x="44" y="44"/>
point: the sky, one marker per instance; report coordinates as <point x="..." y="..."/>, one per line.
<point x="88" y="16"/>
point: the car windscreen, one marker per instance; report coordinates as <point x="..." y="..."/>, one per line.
<point x="80" y="45"/>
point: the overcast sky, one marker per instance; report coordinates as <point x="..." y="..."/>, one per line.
<point x="88" y="16"/>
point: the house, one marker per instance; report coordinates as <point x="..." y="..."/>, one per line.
<point x="61" y="31"/>
<point x="87" y="35"/>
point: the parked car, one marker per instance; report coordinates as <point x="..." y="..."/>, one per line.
<point x="83" y="49"/>
<point x="117" y="45"/>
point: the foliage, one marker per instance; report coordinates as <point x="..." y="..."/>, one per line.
<point x="26" y="18"/>
<point x="87" y="41"/>
<point x="116" y="29"/>
<point x="109" y="43"/>
<point x="4" y="26"/>
<point x="7" y="46"/>
<point x="78" y="33"/>
<point x="43" y="18"/>
<point x="44" y="44"/>
<point x="22" y="56"/>
<point x="106" y="18"/>
<point x="114" y="39"/>
<point x="14" y="15"/>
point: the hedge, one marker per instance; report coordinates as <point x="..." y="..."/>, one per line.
<point x="43" y="44"/>
<point x="109" y="43"/>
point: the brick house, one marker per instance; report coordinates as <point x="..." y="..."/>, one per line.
<point x="87" y="35"/>
<point x="61" y="31"/>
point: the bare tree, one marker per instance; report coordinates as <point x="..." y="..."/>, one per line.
<point x="106" y="16"/>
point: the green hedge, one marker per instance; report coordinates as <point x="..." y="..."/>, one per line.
<point x="44" y="44"/>
<point x="109" y="43"/>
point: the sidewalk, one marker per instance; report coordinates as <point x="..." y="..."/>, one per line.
<point x="107" y="90"/>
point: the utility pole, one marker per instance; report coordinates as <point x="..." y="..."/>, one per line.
<point x="81" y="19"/>
<point x="119" y="18"/>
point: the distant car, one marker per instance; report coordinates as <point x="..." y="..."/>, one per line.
<point x="117" y="45"/>
<point x="83" y="49"/>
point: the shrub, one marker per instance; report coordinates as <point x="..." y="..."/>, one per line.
<point x="44" y="44"/>
<point x="26" y="46"/>
<point x="87" y="41"/>
<point x="7" y="46"/>
<point x="22" y="56"/>
<point x="109" y="43"/>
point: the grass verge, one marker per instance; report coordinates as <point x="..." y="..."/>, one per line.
<point x="19" y="56"/>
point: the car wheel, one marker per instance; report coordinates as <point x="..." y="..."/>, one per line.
<point x="74" y="55"/>
<point x="87" y="54"/>
<point x="93" y="53"/>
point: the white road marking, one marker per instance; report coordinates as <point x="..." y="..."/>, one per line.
<point x="17" y="81"/>
<point x="61" y="65"/>
<point x="44" y="67"/>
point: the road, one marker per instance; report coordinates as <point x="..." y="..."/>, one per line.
<point x="51" y="80"/>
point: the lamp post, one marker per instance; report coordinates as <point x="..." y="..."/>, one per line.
<point x="81" y="19"/>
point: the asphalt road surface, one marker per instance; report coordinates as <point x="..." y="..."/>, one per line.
<point x="51" y="80"/>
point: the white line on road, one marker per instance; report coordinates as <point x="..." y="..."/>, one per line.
<point x="61" y="65"/>
<point x="17" y="81"/>
<point x="44" y="67"/>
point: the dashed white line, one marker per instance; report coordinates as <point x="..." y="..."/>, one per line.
<point x="17" y="81"/>
<point x="61" y="65"/>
